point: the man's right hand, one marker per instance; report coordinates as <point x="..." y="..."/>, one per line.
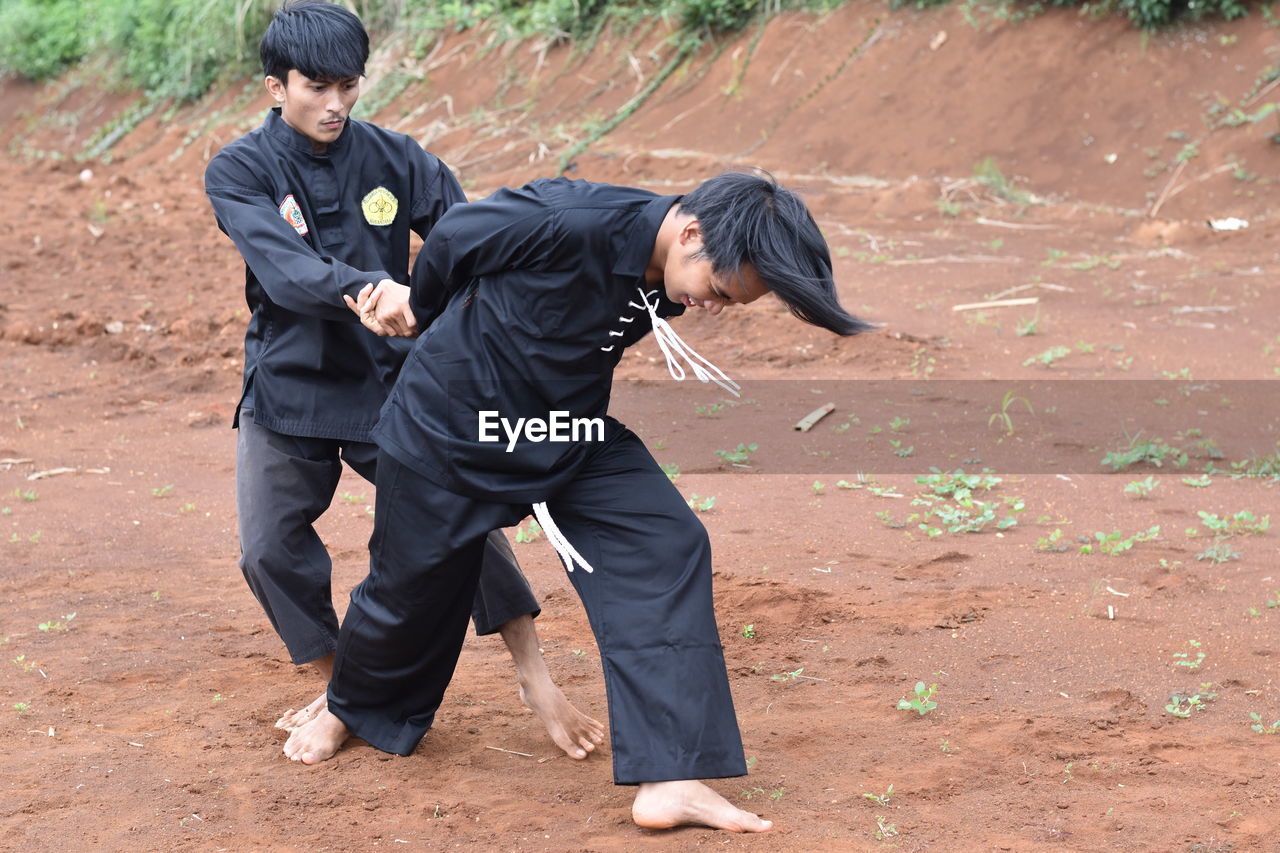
<point x="384" y="309"/>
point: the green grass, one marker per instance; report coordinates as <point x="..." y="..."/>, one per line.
<point x="183" y="48"/>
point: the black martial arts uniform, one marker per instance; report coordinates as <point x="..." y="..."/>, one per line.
<point x="538" y="291"/>
<point x="311" y="228"/>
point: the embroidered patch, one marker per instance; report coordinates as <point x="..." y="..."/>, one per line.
<point x="380" y="207"/>
<point x="293" y="215"/>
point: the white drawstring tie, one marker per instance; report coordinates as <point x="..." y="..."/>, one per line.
<point x="567" y="553"/>
<point x="673" y="348"/>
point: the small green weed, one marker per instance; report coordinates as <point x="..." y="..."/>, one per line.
<point x="1261" y="729"/>
<point x="702" y="504"/>
<point x="957" y="483"/>
<point x="1052" y="542"/>
<point x="881" y="799"/>
<point x="1048" y="357"/>
<point x="1220" y="551"/>
<point x="672" y="470"/>
<point x="1154" y="451"/>
<point x="1182" y="704"/>
<point x="1142" y="489"/>
<point x="1184" y="658"/>
<point x="352" y="499"/>
<point x="162" y="491"/>
<point x="58" y="627"/>
<point x="740" y="456"/>
<point x="921" y="701"/>
<point x="1028" y="326"/>
<point x="1200" y="482"/>
<point x="787" y="676"/>
<point x="749" y="631"/>
<point x="1114" y="543"/>
<point x="28" y="495"/>
<point x="22" y="708"/>
<point x="1002" y="417"/>
<point x="529" y="534"/>
<point x="1243" y="522"/>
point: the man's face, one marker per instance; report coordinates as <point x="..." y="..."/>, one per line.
<point x="691" y="282"/>
<point x="318" y="109"/>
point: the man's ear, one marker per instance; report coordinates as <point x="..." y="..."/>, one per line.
<point x="276" y="88"/>
<point x="690" y="232"/>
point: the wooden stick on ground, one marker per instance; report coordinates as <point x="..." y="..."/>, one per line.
<point x="997" y="303"/>
<point x="806" y="423"/>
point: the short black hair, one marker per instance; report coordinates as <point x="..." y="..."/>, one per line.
<point x="748" y="218"/>
<point x="322" y="41"/>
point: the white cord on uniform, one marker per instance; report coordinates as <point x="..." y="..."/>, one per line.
<point x="557" y="539"/>
<point x="673" y="348"/>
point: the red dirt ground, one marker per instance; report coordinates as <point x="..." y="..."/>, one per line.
<point x="146" y="723"/>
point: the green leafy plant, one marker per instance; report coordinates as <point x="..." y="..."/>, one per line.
<point x="1002" y="417"/>
<point x="1028" y="326"/>
<point x="22" y="708"/>
<point x="1243" y="522"/>
<point x="1219" y="551"/>
<point x="529" y="534"/>
<point x="749" y="631"/>
<point x="672" y="470"/>
<point x="921" y="700"/>
<point x="740" y="456"/>
<point x="1142" y="489"/>
<point x="1154" y="451"/>
<point x="1183" y="704"/>
<point x="787" y="676"/>
<point x="881" y="799"/>
<point x="1261" y="729"/>
<point x="1052" y="542"/>
<point x="57" y="626"/>
<point x="701" y="504"/>
<point x="987" y="173"/>
<point x="1048" y="357"/>
<point x="1115" y="544"/>
<point x="1184" y="658"/>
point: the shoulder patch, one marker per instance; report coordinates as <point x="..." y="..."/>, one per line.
<point x="380" y="206"/>
<point x="293" y="215"/>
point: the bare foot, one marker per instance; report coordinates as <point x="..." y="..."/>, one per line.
<point x="663" y="805"/>
<point x="292" y="719"/>
<point x="317" y="740"/>
<point x="573" y="731"/>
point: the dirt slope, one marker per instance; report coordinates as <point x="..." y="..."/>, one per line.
<point x="145" y="717"/>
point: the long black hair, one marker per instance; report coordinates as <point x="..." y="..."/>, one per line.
<point x="319" y="40"/>
<point x="747" y="218"/>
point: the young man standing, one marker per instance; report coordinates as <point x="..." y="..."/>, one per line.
<point x="542" y="288"/>
<point x="319" y="205"/>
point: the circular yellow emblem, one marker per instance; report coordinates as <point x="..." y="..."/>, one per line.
<point x="380" y="207"/>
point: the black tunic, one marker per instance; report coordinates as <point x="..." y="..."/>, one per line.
<point x="535" y="293"/>
<point x="311" y="228"/>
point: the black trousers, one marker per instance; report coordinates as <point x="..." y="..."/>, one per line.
<point x="649" y="604"/>
<point x="284" y="483"/>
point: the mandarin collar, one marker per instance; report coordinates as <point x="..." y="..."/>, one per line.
<point x="635" y="255"/>
<point x="278" y="128"/>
